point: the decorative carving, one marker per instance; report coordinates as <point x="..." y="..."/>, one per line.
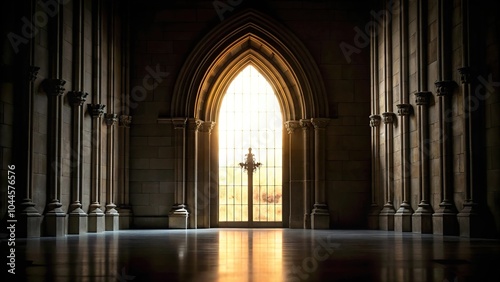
<point x="125" y="121"/>
<point x="388" y="118"/>
<point x="404" y="109"/>
<point x="179" y="123"/>
<point x="33" y="73"/>
<point x="422" y="98"/>
<point x="53" y="86"/>
<point x="375" y="120"/>
<point x="444" y="88"/>
<point x="320" y="122"/>
<point x="96" y="110"/>
<point x="205" y="126"/>
<point x="306" y="124"/>
<point x="111" y="119"/>
<point x="465" y="74"/>
<point x="77" y="98"/>
<point x="292" y="125"/>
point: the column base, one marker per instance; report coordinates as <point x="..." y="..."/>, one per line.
<point x="422" y="219"/>
<point x="402" y="218"/>
<point x="125" y="219"/>
<point x="469" y="221"/>
<point x="96" y="222"/>
<point x="55" y="220"/>
<point x="386" y="217"/>
<point x="373" y="222"/>
<point x="30" y="221"/>
<point x="112" y="221"/>
<point x="178" y="217"/>
<point x="77" y="222"/>
<point x="320" y="217"/>
<point x="444" y="220"/>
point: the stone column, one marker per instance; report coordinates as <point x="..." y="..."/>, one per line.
<point x="422" y="218"/>
<point x="191" y="173"/>
<point x="30" y="219"/>
<point x="373" y="216"/>
<point x="55" y="217"/>
<point x="125" y="209"/>
<point x="111" y="215"/>
<point x="296" y="170"/>
<point x="308" y="171"/>
<point x="320" y="217"/>
<point x="203" y="132"/>
<point x="95" y="215"/>
<point x="444" y="220"/>
<point x="402" y="218"/>
<point x="386" y="216"/>
<point x="178" y="215"/>
<point x="77" y="223"/>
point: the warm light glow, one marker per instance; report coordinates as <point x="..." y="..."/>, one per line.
<point x="250" y="116"/>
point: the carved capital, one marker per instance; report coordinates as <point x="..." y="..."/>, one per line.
<point x="320" y="123"/>
<point x="96" y="110"/>
<point x="292" y="125"/>
<point x="375" y="120"/>
<point x="205" y="126"/>
<point x="422" y="98"/>
<point x="125" y="121"/>
<point x="33" y="73"/>
<point x="465" y="74"/>
<point x="179" y="123"/>
<point x="53" y="86"/>
<point x="77" y="98"/>
<point x="110" y="119"/>
<point x="444" y="88"/>
<point x="404" y="109"/>
<point x="306" y="124"/>
<point x="388" y="118"/>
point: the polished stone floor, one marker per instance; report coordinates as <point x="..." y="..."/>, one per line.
<point x="256" y="255"/>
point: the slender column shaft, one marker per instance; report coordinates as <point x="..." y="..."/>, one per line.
<point x="320" y="215"/>
<point x="308" y="169"/>
<point x="204" y="129"/>
<point x="178" y="214"/>
<point x="190" y="192"/>
<point x="295" y="172"/>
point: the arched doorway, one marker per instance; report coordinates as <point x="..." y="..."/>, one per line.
<point x="251" y="38"/>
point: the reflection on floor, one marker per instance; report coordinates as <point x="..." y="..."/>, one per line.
<point x="256" y="255"/>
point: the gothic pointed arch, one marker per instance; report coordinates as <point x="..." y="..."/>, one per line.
<point x="249" y="38"/>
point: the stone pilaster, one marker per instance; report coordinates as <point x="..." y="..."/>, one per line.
<point x="30" y="219"/>
<point x="307" y="129"/>
<point x="402" y="218"/>
<point x="55" y="217"/>
<point x="444" y="220"/>
<point x="77" y="218"/>
<point x="386" y="216"/>
<point x="320" y="217"/>
<point x="178" y="216"/>
<point x="422" y="218"/>
<point x="373" y="215"/>
<point x="124" y="207"/>
<point x="202" y="164"/>
<point x="96" y="216"/>
<point x="111" y="216"/>
<point x="295" y="147"/>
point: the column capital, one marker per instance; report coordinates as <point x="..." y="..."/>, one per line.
<point x="465" y="74"/>
<point x="110" y="119"/>
<point x="388" y="117"/>
<point x="125" y="121"/>
<point x="53" y="86"/>
<point x="292" y="125"/>
<point x="96" y="110"/>
<point x="375" y="120"/>
<point x="422" y="98"/>
<point x="404" y="109"/>
<point x="33" y="73"/>
<point x="77" y="98"/>
<point x="205" y="126"/>
<point x="320" y="123"/>
<point x="179" y="123"/>
<point x="445" y="87"/>
<point x="306" y="124"/>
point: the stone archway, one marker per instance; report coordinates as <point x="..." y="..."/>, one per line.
<point x="250" y="37"/>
